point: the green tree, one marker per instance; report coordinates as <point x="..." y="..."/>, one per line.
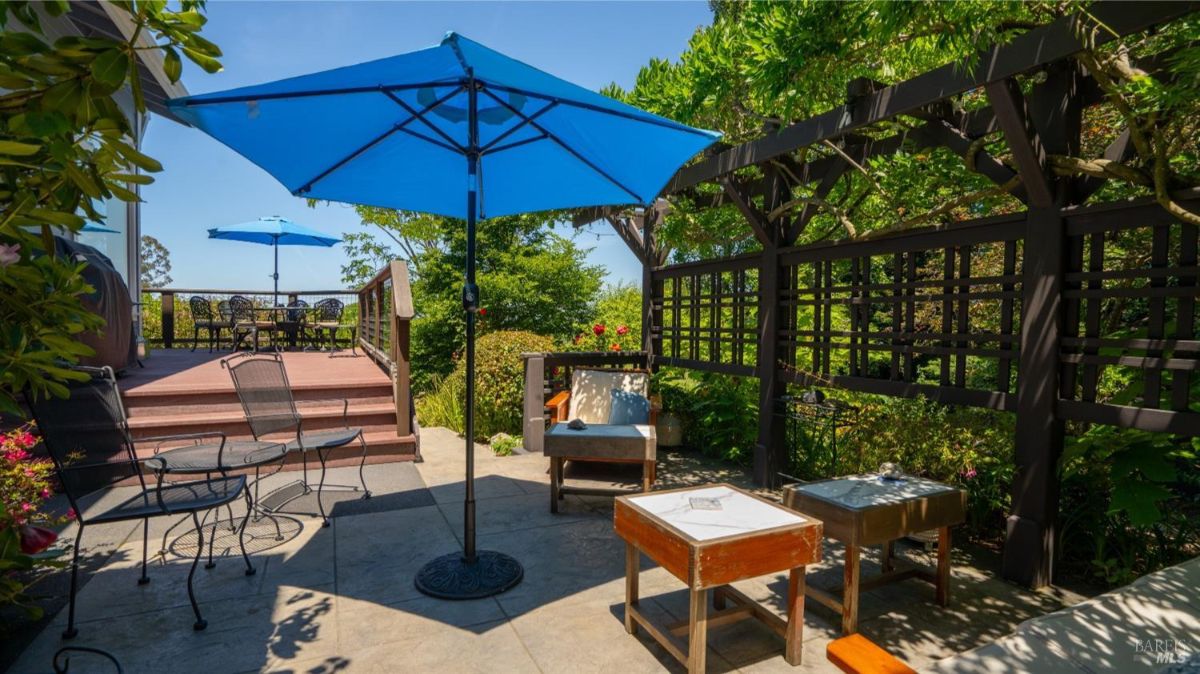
<point x="155" y="263"/>
<point x="64" y="145"/>
<point x="530" y="278"/>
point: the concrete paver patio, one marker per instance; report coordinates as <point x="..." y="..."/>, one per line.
<point x="342" y="598"/>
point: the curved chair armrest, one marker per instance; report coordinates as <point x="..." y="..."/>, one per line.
<point x="558" y="406"/>
<point x="856" y="654"/>
<point x="159" y="466"/>
<point x="325" y="401"/>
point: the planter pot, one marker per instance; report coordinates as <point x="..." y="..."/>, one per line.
<point x="669" y="430"/>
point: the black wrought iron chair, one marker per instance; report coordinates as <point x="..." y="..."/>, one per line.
<point x="247" y="322"/>
<point x="87" y="437"/>
<point x="203" y="319"/>
<point x="329" y="317"/>
<point x="295" y="322"/>
<point x="262" y="386"/>
<point x="225" y="317"/>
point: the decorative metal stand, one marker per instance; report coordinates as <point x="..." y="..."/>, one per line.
<point x="816" y="419"/>
<point x="471" y="574"/>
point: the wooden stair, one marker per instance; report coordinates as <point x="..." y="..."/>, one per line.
<point x="178" y="394"/>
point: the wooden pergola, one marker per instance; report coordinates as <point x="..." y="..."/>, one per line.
<point x="769" y="314"/>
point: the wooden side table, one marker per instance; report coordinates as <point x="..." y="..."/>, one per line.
<point x="710" y="548"/>
<point x="863" y="510"/>
<point x="602" y="443"/>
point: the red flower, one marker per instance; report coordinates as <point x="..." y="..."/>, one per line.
<point x="35" y="539"/>
<point x="579" y="338"/>
<point x="28" y="440"/>
<point x="598" y="329"/>
<point x="482" y="311"/>
<point x="623" y="330"/>
<point x="71" y="514"/>
<point x="615" y="347"/>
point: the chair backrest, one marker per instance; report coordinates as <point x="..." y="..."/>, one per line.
<point x="242" y="308"/>
<point x="201" y="308"/>
<point x="591" y="391"/>
<point x="225" y="311"/>
<point x="87" y="435"/>
<point x="262" y="385"/>
<point x="296" y="316"/>
<point x="329" y="309"/>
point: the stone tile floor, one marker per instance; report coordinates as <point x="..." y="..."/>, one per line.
<point x="342" y="598"/>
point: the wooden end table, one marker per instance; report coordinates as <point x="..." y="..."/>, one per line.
<point x="863" y="510"/>
<point x="602" y="443"/>
<point x="708" y="549"/>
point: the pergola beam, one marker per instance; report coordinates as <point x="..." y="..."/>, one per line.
<point x="1027" y="52"/>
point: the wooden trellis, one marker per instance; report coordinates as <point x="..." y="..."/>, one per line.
<point x="1003" y="313"/>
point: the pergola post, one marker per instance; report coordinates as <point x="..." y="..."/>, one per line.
<point x="651" y="289"/>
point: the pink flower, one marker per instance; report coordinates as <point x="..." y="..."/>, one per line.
<point x="598" y="329"/>
<point x="9" y="254"/>
<point x="46" y="493"/>
<point x="27" y="439"/>
<point x="17" y="455"/>
<point x="71" y="514"/>
<point x="969" y="474"/>
<point x="623" y="330"/>
<point x="36" y="539"/>
<point x="26" y="507"/>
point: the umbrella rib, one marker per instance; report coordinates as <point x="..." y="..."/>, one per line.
<point x="574" y="153"/>
<point x="516" y="143"/>
<point x="378" y="139"/>
<point x="524" y="122"/>
<point x="666" y="123"/>
<point x="431" y="141"/>
<point x="245" y="98"/>
<point x="421" y="118"/>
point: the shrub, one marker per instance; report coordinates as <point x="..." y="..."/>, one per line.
<point x="443" y="404"/>
<point x="499" y="386"/>
<point x="504" y="444"/>
<point x="719" y="412"/>
<point x="616" y="322"/>
<point x="25" y="485"/>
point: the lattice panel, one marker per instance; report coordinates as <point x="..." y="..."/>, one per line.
<point x="707" y="316"/>
<point x="1130" y="289"/>
<point x="915" y="314"/>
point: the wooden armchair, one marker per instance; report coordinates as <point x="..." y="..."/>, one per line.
<point x="855" y="654"/>
<point x="589" y="396"/>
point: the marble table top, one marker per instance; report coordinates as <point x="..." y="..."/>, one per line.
<point x="739" y="513"/>
<point x="867" y="491"/>
<point x="604" y="430"/>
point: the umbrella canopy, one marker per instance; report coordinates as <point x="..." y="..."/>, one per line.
<point x="458" y="130"/>
<point x="97" y="228"/>
<point x="393" y="133"/>
<point x="274" y="231"/>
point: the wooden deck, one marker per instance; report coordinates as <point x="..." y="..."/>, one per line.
<point x="179" y="391"/>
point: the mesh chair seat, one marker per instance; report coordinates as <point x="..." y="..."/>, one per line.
<point x="324" y="439"/>
<point x="202" y="458"/>
<point x="182" y="497"/>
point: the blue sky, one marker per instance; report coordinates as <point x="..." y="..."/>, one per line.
<point x="205" y="185"/>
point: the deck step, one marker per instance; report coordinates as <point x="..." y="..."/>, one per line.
<point x="233" y="422"/>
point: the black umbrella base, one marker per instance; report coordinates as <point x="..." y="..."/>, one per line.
<point x="453" y="577"/>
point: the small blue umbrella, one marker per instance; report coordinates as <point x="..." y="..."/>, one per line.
<point x="97" y="228"/>
<point x="274" y="231"/>
<point x="458" y="130"/>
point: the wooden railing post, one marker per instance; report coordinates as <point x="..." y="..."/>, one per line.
<point x="168" y="319"/>
<point x="400" y="323"/>
<point x="534" y="427"/>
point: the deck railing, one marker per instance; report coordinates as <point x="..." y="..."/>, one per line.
<point x="385" y="313"/>
<point x="167" y="316"/>
<point x="548" y="373"/>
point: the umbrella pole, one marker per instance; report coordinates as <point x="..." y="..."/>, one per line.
<point x="276" y="275"/>
<point x="471" y="574"/>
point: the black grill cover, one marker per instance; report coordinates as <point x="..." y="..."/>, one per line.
<point x="115" y="344"/>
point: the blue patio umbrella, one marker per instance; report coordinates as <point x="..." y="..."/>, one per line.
<point x="97" y="228"/>
<point x="274" y="231"/>
<point x="458" y="130"/>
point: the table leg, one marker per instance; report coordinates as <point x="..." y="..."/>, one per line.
<point x="850" y="592"/>
<point x="697" y="630"/>
<point x="943" y="567"/>
<point x="647" y="475"/>
<point x="794" y="643"/>
<point x="631" y="586"/>
<point x="555" y="482"/>
<point x="889" y="550"/>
